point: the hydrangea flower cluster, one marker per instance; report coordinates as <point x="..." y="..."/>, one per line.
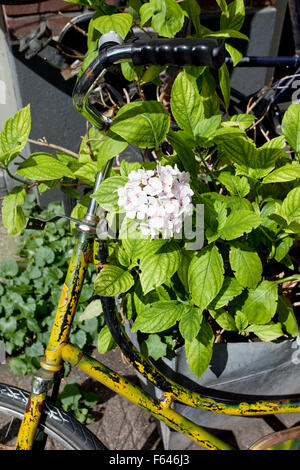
<point x="160" y="199"/>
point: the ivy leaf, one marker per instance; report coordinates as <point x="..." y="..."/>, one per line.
<point x="105" y="341"/>
<point x="112" y="281"/>
<point x="154" y="346"/>
<point x="119" y="23"/>
<point x="206" y="275"/>
<point x="12" y="214"/>
<point x="158" y="316"/>
<point x="106" y="195"/>
<point x="267" y="332"/>
<point x="142" y="123"/>
<point x="190" y="323"/>
<point x="8" y="267"/>
<point x="261" y="303"/>
<point x="199" y="351"/>
<point x="246" y="265"/>
<point x="238" y="223"/>
<point x="43" y="166"/>
<point x="291" y="126"/>
<point x="186" y="105"/>
<point x="158" y="263"/>
<point x="14" y="135"/>
<point x="92" y="310"/>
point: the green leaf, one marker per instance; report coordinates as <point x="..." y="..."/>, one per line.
<point x="158" y="263"/>
<point x="236" y="185"/>
<point x="291" y="126"/>
<point x="8" y="325"/>
<point x="261" y="303"/>
<point x="241" y="120"/>
<point x="199" y="351"/>
<point x="155" y="347"/>
<point x="291" y="206"/>
<point x="134" y="247"/>
<point x="8" y="267"/>
<point x="249" y="160"/>
<point x="87" y="173"/>
<point x="119" y="23"/>
<point x="167" y="16"/>
<point x="234" y="53"/>
<point x="224" y="80"/>
<point x="43" y="166"/>
<point x="12" y="215"/>
<point x="14" y="135"/>
<point x="106" y="195"/>
<point x="230" y="289"/>
<point x="267" y="332"/>
<point x="246" y="265"/>
<point x="283" y="248"/>
<point x="35" y="350"/>
<point x="158" y="316"/>
<point x="224" y="319"/>
<point x="225" y="33"/>
<point x="288" y="172"/>
<point x="238" y="223"/>
<point x="206" y="274"/>
<point x="193" y="10"/>
<point x="207" y="127"/>
<point x="94" y="309"/>
<point x="142" y="123"/>
<point x="241" y="321"/>
<point x="105" y="341"/>
<point x="190" y="323"/>
<point x="234" y="17"/>
<point x="286" y="316"/>
<point x="112" y="281"/>
<point x="186" y="104"/>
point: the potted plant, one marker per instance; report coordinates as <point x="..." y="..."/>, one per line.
<point x="204" y="257"/>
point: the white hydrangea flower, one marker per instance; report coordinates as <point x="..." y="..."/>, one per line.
<point x="160" y="199"/>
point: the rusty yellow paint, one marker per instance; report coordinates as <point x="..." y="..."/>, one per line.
<point x="158" y="408"/>
<point x="67" y="305"/>
<point x="30" y="422"/>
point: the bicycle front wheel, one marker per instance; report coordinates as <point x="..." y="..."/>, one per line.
<point x="63" y="431"/>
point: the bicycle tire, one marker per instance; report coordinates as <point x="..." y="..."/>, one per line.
<point x="56" y="423"/>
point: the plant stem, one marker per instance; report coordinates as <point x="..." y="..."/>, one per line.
<point x="14" y="177"/>
<point x="44" y="143"/>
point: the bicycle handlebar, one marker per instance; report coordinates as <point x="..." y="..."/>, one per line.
<point x="178" y="52"/>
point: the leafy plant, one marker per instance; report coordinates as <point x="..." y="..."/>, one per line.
<point x="30" y="288"/>
<point x="241" y="284"/>
<point x="78" y="402"/>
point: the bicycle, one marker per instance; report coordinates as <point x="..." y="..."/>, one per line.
<point x="35" y="408"/>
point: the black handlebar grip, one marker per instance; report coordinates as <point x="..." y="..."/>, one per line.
<point x="179" y="52"/>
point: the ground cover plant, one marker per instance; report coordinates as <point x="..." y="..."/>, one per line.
<point x="241" y="283"/>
